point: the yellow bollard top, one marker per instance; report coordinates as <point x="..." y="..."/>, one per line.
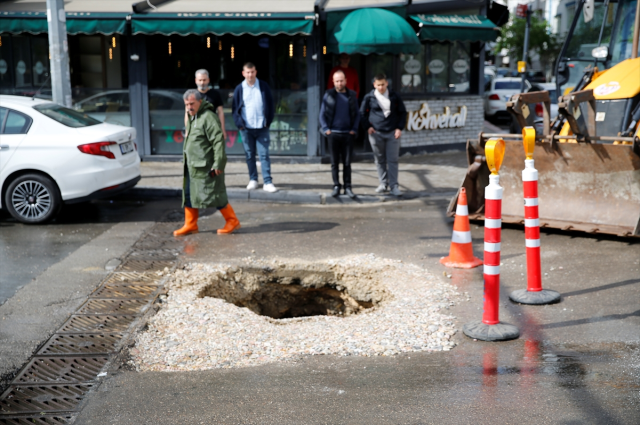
<point x="529" y="141"/>
<point x="494" y="151"/>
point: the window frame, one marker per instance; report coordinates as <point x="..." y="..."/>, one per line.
<point x="26" y="127"/>
<point x="474" y="89"/>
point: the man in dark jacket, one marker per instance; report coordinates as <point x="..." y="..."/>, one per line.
<point x="339" y="119"/>
<point x="384" y="116"/>
<point x="253" y="112"/>
<point x="204" y="161"/>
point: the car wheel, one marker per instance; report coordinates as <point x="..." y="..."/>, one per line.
<point x="32" y="199"/>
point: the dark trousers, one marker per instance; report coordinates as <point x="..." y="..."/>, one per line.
<point x="341" y="149"/>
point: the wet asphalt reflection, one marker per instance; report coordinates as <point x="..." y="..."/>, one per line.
<point x="28" y="250"/>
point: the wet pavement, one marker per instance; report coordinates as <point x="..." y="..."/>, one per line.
<point x="28" y="250"/>
<point x="576" y="362"/>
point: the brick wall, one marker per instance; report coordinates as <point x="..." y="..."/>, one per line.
<point x="442" y="139"/>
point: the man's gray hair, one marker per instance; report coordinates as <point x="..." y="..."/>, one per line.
<point x="192" y="92"/>
<point x="202" y="71"/>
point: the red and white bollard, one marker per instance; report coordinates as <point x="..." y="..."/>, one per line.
<point x="534" y="294"/>
<point x="490" y="328"/>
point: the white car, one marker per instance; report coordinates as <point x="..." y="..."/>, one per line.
<point x="498" y="91"/>
<point x="51" y="155"/>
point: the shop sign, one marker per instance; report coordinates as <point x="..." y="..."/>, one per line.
<point x="21" y="67"/>
<point x="3" y="67"/>
<point x="39" y="68"/>
<point x="436" y="66"/>
<point x="425" y="120"/>
<point x="412" y="66"/>
<point x="460" y="66"/>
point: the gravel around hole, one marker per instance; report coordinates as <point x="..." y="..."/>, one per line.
<point x="390" y="307"/>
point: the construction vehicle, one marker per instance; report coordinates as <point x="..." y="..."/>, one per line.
<point x="588" y="158"/>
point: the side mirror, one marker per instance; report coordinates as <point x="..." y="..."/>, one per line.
<point x="600" y="52"/>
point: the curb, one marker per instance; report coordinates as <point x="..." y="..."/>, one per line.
<point x="291" y="196"/>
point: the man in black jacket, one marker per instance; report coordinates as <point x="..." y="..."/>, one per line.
<point x="339" y="119"/>
<point x="384" y="116"/>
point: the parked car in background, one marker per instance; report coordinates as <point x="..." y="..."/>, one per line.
<point x="496" y="94"/>
<point x="166" y="108"/>
<point x="50" y="155"/>
<point x="535" y="119"/>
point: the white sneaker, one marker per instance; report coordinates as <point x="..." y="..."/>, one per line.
<point x="269" y="187"/>
<point x="396" y="191"/>
<point x="253" y="185"/>
<point x="380" y="189"/>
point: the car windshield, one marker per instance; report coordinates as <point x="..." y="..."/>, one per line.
<point x="507" y="85"/>
<point x="66" y="116"/>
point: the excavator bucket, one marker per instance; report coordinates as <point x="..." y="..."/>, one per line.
<point x="590" y="187"/>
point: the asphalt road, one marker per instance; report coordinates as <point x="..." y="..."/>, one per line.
<point x="576" y="362"/>
<point x="28" y="250"/>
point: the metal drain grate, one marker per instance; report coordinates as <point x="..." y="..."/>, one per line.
<point x="61" y="369"/>
<point x="125" y="291"/>
<point x="132" y="278"/>
<point x="97" y="323"/>
<point x="37" y="420"/>
<point x="145" y="265"/>
<point x="42" y="398"/>
<point x="80" y="344"/>
<point x="114" y="306"/>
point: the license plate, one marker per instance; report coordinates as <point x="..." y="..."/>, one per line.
<point x="127" y="147"/>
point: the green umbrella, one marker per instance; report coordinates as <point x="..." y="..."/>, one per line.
<point x="374" y="31"/>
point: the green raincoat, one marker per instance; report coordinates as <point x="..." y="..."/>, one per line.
<point x="202" y="152"/>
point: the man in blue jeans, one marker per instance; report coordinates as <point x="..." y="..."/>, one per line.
<point x="253" y="111"/>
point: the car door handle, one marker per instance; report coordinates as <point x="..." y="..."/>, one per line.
<point x="3" y="147"/>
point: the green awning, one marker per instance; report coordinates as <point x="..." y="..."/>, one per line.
<point x="456" y="27"/>
<point x="373" y="30"/>
<point x="89" y="23"/>
<point x="219" y="24"/>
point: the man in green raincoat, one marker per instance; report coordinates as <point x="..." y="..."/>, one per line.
<point x="204" y="161"/>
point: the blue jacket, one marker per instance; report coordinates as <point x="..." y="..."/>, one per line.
<point x="267" y="102"/>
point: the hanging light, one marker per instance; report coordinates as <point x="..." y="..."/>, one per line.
<point x="179" y="64"/>
<point x="113" y="42"/>
<point x="324" y="50"/>
<point x="304" y="51"/>
<point x="290" y="50"/>
<point x="169" y="48"/>
<point x="208" y="42"/>
<point x="219" y="44"/>
<point x="110" y="53"/>
<point x="233" y="52"/>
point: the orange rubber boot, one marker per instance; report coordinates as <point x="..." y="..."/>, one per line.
<point x="232" y="221"/>
<point x="190" y="222"/>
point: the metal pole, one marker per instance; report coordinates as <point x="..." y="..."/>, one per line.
<point x="526" y="48"/>
<point x="59" y="52"/>
<point x="636" y="33"/>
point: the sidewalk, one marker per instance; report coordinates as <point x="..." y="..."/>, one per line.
<point x="420" y="176"/>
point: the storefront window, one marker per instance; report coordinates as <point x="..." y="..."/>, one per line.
<point x="440" y="67"/>
<point x="111" y="106"/>
<point x="412" y="73"/>
<point x="280" y="61"/>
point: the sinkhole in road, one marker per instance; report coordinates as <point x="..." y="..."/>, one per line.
<point x="288" y="292"/>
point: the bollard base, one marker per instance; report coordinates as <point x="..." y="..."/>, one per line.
<point x="546" y="296"/>
<point x="499" y="332"/>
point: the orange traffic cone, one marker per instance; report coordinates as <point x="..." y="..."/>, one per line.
<point x="461" y="252"/>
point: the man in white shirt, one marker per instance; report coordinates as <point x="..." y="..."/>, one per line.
<point x="253" y="112"/>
